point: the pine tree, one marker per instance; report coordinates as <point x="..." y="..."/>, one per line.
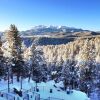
<point x="69" y="74"/>
<point x="14" y="41"/>
<point x="37" y="65"/>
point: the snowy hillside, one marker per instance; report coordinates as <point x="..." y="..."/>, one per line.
<point x="44" y="91"/>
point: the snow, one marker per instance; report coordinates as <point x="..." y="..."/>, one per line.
<point x="60" y="84"/>
<point x="77" y="95"/>
<point x="44" y="90"/>
<point x="98" y="59"/>
<point x="2" y="98"/>
<point x="6" y="49"/>
<point x="53" y="72"/>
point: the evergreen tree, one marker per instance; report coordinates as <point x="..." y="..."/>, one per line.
<point x="69" y="74"/>
<point x="14" y="41"/>
<point x="37" y="69"/>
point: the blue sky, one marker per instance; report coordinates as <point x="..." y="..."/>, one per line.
<point x="27" y="13"/>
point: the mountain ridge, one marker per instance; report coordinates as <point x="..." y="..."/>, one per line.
<point x="44" y="30"/>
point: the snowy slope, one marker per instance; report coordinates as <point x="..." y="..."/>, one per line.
<point x="44" y="90"/>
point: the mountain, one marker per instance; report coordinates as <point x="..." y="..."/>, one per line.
<point x="44" y="30"/>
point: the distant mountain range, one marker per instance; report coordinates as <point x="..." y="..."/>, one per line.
<point x="45" y="30"/>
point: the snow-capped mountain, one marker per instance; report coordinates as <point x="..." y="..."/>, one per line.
<point x="42" y="29"/>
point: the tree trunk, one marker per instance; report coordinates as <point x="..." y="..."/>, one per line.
<point x="29" y="77"/>
<point x="12" y="77"/>
<point x="18" y="76"/>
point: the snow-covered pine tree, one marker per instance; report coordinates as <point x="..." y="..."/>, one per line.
<point x="37" y="69"/>
<point x="87" y="76"/>
<point x="14" y="41"/>
<point x="69" y="74"/>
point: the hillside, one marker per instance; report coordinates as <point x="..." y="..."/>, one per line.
<point x="79" y="50"/>
<point x="82" y="49"/>
<point x="57" y="38"/>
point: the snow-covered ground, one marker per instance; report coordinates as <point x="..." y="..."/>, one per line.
<point x="44" y="91"/>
